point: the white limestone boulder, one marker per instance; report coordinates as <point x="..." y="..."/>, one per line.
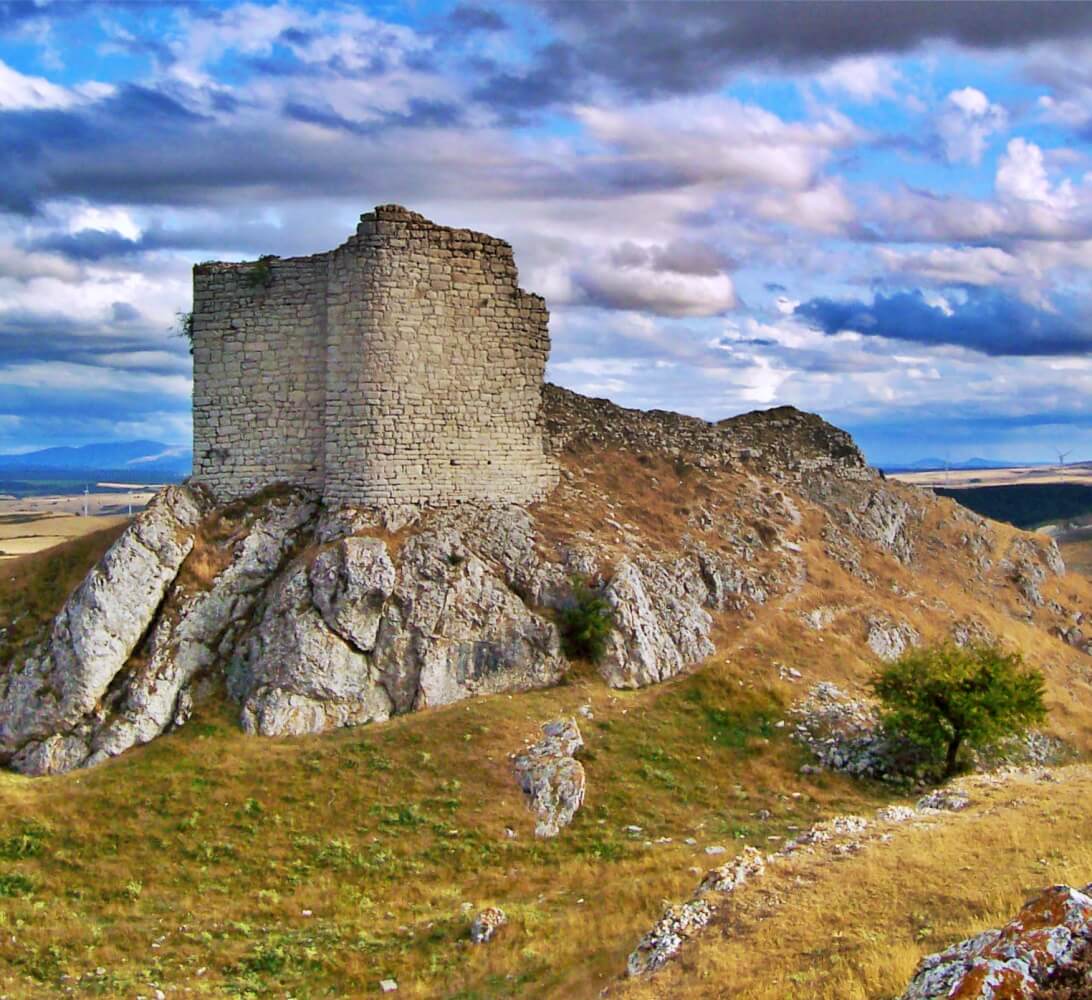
<point x="47" y="703"/>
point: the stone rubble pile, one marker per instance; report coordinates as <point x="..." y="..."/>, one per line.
<point x="844" y="734"/>
<point x="679" y="924"/>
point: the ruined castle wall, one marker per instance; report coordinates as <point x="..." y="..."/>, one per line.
<point x="435" y="360"/>
<point x="404" y="367"/>
<point x="259" y="363"/>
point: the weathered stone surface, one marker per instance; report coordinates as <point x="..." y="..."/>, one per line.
<point x="403" y="367"/>
<point x="296" y="675"/>
<point x="94" y="635"/>
<point x="944" y="800"/>
<point x="749" y="864"/>
<point x="452" y="629"/>
<point x="551" y="778"/>
<point x="659" y="628"/>
<point x="884" y="518"/>
<point x="1028" y="562"/>
<point x="185" y="646"/>
<point x="1013" y="962"/>
<point x="350" y="583"/>
<point x="889" y="640"/>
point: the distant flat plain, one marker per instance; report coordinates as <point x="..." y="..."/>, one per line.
<point x="1029" y="475"/>
<point x="30" y="524"/>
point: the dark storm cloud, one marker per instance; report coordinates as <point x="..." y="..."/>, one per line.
<point x="30" y="337"/>
<point x="656" y="49"/>
<point x="420" y="113"/>
<point x="144" y="147"/>
<point x="988" y="321"/>
<point x="553" y="77"/>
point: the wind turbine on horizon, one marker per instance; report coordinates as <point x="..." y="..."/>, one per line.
<point x="1062" y="456"/>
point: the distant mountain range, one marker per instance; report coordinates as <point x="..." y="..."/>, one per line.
<point x="933" y="464"/>
<point x="139" y="461"/>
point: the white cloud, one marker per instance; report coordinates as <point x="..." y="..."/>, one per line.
<point x="22" y="265"/>
<point x="824" y="208"/>
<point x="665" y="293"/>
<point x="965" y="123"/>
<point x="64" y="376"/>
<point x="19" y="92"/>
<point x="862" y="78"/>
<point x="720" y="140"/>
<point x="956" y="265"/>
<point x="1022" y="176"/>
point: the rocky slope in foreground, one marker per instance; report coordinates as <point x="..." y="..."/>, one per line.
<point x="313" y="619"/>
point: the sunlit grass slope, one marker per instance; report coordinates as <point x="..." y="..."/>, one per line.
<point x="854" y="928"/>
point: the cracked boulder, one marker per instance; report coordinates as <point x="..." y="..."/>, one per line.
<point x="889" y="640"/>
<point x="297" y="675"/>
<point x="453" y="629"/>
<point x="184" y="644"/>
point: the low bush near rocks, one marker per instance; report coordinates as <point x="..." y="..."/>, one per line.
<point x="586" y="626"/>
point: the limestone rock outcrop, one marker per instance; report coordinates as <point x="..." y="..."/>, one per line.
<point x="551" y="778"/>
<point x="1012" y="963"/>
<point x="46" y="703"/>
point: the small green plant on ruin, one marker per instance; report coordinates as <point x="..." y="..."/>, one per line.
<point x="261" y="274"/>
<point x="944" y="698"/>
<point x="184" y="327"/>
<point x="586" y="625"/>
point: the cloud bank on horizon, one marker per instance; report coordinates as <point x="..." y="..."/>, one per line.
<point x="879" y="212"/>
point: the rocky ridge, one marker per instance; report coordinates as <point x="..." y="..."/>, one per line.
<point x="312" y="618"/>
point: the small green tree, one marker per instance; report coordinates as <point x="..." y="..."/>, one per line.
<point x="586" y="625"/>
<point x="946" y="697"/>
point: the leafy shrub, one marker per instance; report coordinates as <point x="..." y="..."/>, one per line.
<point x="14" y="884"/>
<point x="946" y="697"/>
<point x="586" y="625"/>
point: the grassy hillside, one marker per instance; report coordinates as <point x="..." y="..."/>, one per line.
<point x="233" y="866"/>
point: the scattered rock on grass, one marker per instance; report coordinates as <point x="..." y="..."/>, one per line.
<point x="944" y="800"/>
<point x="487" y="923"/>
<point x="1047" y="935"/>
<point x="551" y="778"/>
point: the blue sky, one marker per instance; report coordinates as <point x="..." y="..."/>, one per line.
<point x="882" y="213"/>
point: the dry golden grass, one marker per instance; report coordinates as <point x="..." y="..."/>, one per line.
<point x="854" y="928"/>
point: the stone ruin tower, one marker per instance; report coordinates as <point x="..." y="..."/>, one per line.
<point x="406" y="366"/>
